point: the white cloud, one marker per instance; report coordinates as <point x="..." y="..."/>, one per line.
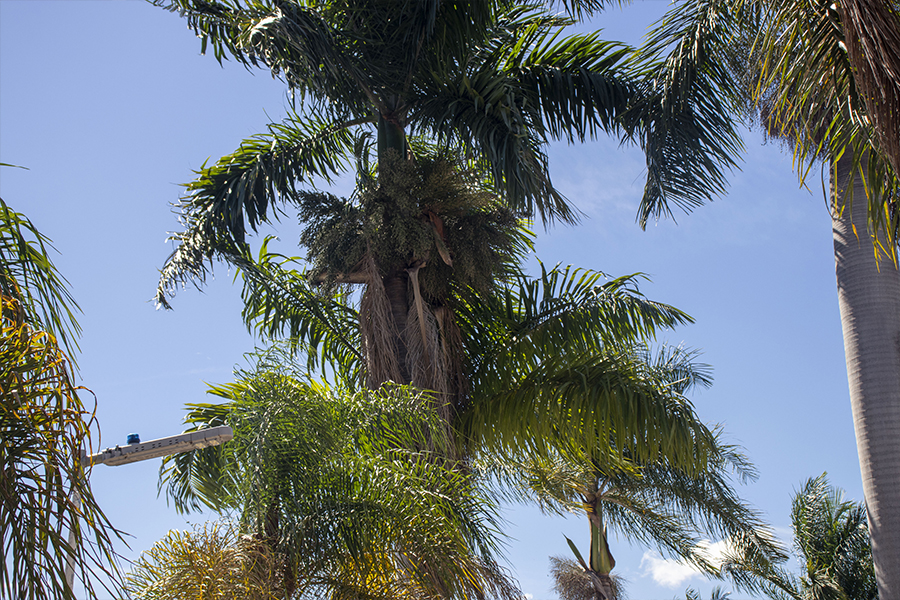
<point x="673" y="573"/>
<point x="666" y="572"/>
<point x="529" y="596"/>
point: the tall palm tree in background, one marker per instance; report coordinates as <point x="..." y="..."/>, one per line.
<point x="654" y="503"/>
<point x="48" y="515"/>
<point x="818" y="81"/>
<point x="832" y="542"/>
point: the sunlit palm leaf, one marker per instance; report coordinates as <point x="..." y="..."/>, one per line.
<point x="44" y="490"/>
<point x="27" y="274"/>
<point x="563" y="311"/>
<point x="351" y="489"/>
<point x="830" y="537"/>
<point x="584" y="406"/>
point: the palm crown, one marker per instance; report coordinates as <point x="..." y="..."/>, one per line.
<point x="494" y="81"/>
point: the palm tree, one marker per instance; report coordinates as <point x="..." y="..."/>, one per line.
<point x="832" y="542"/>
<point x="536" y="391"/>
<point x="811" y="84"/>
<point x="348" y="491"/>
<point x="48" y="516"/>
<point x="488" y="83"/>
<point x="540" y="367"/>
<point x="650" y="502"/>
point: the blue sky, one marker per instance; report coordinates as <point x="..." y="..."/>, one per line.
<point x="111" y="106"/>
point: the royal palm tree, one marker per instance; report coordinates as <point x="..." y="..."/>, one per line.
<point x="810" y="86"/>
<point x="653" y="503"/>
<point x="48" y="515"/>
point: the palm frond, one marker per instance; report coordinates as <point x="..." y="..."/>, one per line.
<point x="212" y="560"/>
<point x="588" y="406"/>
<point x="48" y="515"/>
<point x="240" y="189"/>
<point x="683" y="115"/>
<point x="477" y="112"/>
<point x="572" y="87"/>
<point x="563" y="311"/>
<point x="27" y="275"/>
<point x="351" y="483"/>
<point x="280" y="303"/>
<point x="810" y="94"/>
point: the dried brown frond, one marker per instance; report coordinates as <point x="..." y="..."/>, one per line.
<point x="572" y="582"/>
<point x="379" y="333"/>
<point x="872" y="36"/>
<point x="453" y="352"/>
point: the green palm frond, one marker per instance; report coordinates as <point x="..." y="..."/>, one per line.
<point x="585" y="406"/>
<point x="563" y="311"/>
<point x="241" y="188"/>
<point x="478" y="112"/>
<point x="832" y="541"/>
<point x="280" y="303"/>
<point x="45" y="429"/>
<point x="27" y="275"/>
<point x="337" y="480"/>
<point x="571" y="87"/>
<point x="684" y="116"/>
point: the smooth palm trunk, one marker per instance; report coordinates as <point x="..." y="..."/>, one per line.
<point x="601" y="561"/>
<point x="869" y="297"/>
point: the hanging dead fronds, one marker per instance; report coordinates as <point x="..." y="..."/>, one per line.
<point x="573" y="582"/>
<point x="872" y="37"/>
<point x="452" y="350"/>
<point x="380" y="336"/>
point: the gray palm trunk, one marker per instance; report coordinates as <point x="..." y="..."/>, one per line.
<point x="869" y="298"/>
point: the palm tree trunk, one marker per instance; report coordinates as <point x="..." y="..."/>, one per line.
<point x="600" y="561"/>
<point x="869" y="298"/>
<point x="396" y="289"/>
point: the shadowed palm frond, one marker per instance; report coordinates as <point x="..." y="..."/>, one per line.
<point x="684" y="117"/>
<point x="281" y="303"/>
<point x="241" y="188"/>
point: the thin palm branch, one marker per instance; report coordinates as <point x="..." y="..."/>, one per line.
<point x="280" y="303"/>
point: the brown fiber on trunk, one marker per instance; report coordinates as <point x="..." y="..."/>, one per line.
<point x="396" y="289"/>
